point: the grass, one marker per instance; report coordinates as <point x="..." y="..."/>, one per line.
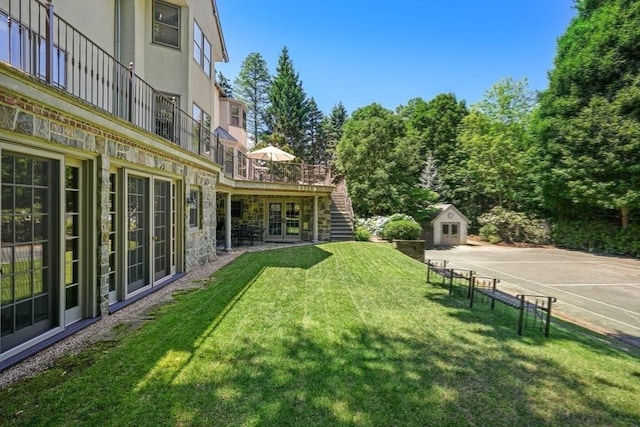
<point x="335" y="334"/>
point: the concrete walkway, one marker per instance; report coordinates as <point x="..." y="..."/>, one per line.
<point x="599" y="292"/>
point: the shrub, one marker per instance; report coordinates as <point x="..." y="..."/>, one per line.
<point x="373" y="225"/>
<point x="400" y="217"/>
<point x="510" y="226"/>
<point x="402" y="229"/>
<point x="362" y="234"/>
<point x="489" y="233"/>
<point x="598" y="236"/>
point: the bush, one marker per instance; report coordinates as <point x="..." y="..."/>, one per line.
<point x="598" y="236"/>
<point x="489" y="233"/>
<point x="402" y="229"/>
<point x="362" y="234"/>
<point x="373" y="225"/>
<point x="510" y="226"/>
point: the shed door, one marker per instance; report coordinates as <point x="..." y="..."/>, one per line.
<point x="450" y="233"/>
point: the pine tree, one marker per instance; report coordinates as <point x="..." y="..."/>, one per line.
<point x="225" y="84"/>
<point x="316" y="142"/>
<point x="252" y="88"/>
<point x="333" y="131"/>
<point x="429" y="176"/>
<point x="287" y="112"/>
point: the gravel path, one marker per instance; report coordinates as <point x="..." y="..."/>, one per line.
<point x="100" y="330"/>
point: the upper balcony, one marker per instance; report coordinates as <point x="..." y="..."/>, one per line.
<point x="37" y="41"/>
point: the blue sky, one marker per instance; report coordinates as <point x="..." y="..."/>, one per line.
<point x="390" y="51"/>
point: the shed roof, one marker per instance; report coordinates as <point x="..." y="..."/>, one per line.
<point x="441" y="208"/>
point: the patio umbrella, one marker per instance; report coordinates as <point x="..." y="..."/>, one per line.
<point x="272" y="154"/>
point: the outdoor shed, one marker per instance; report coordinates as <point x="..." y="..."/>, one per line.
<point x="448" y="227"/>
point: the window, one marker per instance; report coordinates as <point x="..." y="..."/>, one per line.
<point x="166" y="24"/>
<point x="193" y="204"/>
<point x="29" y="298"/>
<point x="201" y="130"/>
<point x="25" y="49"/>
<point x="165" y="116"/>
<point x="235" y="115"/>
<point x="236" y="209"/>
<point x="201" y="49"/>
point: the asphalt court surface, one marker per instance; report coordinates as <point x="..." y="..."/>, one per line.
<point x="596" y="291"/>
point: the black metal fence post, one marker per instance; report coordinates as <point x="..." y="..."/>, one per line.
<point x="132" y="76"/>
<point x="49" y="43"/>
<point x="521" y="315"/>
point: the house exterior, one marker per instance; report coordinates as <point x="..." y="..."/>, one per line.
<point x="448" y="227"/>
<point x="123" y="162"/>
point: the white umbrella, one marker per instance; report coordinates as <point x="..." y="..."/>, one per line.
<point x="272" y="154"/>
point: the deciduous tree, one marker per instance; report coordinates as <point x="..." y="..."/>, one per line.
<point x="498" y="151"/>
<point x="379" y="163"/>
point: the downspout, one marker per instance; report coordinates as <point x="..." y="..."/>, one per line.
<point x="117" y="30"/>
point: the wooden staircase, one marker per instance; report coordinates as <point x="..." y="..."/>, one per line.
<point x="341" y="214"/>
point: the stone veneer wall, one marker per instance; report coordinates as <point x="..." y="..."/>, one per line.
<point x="52" y="129"/>
<point x="254" y="213"/>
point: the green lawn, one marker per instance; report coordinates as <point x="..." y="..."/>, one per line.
<point x="338" y="334"/>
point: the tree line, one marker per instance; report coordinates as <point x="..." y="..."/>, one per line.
<point x="280" y="113"/>
<point x="570" y="154"/>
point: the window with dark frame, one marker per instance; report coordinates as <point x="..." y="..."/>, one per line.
<point x="26" y="49"/>
<point x="201" y="49"/>
<point x="201" y="130"/>
<point x="166" y="24"/>
<point x="193" y="204"/>
<point x="236" y="209"/>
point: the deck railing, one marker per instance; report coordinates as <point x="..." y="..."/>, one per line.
<point x="39" y="42"/>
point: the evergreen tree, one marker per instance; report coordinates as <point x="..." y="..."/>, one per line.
<point x="588" y="123"/>
<point x="252" y="88"/>
<point x="225" y="84"/>
<point x="287" y="112"/>
<point x="429" y="177"/>
<point x="315" y="140"/>
<point x="434" y="127"/>
<point x="333" y="125"/>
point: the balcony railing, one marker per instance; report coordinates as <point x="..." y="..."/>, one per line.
<point x="39" y="42"/>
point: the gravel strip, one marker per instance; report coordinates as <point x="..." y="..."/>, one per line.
<point x="83" y="339"/>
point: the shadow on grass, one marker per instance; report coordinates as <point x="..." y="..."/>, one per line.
<point x="505" y="319"/>
<point x="364" y="374"/>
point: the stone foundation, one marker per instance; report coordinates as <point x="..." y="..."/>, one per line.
<point x="411" y="248"/>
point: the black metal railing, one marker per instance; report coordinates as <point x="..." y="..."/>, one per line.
<point x="36" y="40"/>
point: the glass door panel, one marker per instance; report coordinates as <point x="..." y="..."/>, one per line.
<point x="292" y="219"/>
<point x="113" y="238"/>
<point x="274" y="230"/>
<point x="72" y="245"/>
<point x="161" y="229"/>
<point x="137" y="246"/>
<point x="28" y="224"/>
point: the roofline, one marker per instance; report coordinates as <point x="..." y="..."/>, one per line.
<point x="225" y="54"/>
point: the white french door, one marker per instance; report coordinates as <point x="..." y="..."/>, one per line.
<point x="283" y="222"/>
